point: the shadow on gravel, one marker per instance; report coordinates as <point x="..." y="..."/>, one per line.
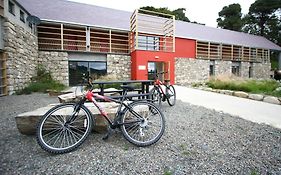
<point x="196" y="141"/>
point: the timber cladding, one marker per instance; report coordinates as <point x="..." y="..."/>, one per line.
<point x="3" y="74"/>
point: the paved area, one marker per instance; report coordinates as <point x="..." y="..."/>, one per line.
<point x="255" y="111"/>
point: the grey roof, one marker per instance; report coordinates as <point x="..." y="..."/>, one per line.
<point x="73" y="12"/>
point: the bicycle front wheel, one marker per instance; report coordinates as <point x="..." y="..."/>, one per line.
<point x="171" y="95"/>
<point x="143" y="124"/>
<point x="56" y="134"/>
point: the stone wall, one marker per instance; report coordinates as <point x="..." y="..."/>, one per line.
<point x="22" y="53"/>
<point x="222" y="67"/>
<point x="119" y="66"/>
<point x="261" y="70"/>
<point x="189" y="70"/>
<point x="245" y="69"/>
<point x="56" y="63"/>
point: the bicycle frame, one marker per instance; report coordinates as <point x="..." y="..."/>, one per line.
<point x="158" y="83"/>
<point x="113" y="124"/>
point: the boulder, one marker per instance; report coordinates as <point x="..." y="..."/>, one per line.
<point x="273" y="100"/>
<point x="70" y="97"/>
<point x="227" y="92"/>
<point x="257" y="97"/>
<point x="27" y="122"/>
<point x="241" y="94"/>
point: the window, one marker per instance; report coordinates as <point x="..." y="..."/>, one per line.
<point x="212" y="68"/>
<point x="11" y="8"/>
<point x="251" y="70"/>
<point x="148" y="43"/>
<point x="78" y="68"/>
<point x="22" y="18"/>
<point x="235" y="69"/>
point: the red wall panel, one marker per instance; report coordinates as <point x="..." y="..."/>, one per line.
<point x="183" y="48"/>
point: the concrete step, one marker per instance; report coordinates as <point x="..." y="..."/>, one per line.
<point x="27" y="122"/>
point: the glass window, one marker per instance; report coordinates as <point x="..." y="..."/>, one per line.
<point x="22" y="18"/>
<point x="78" y="68"/>
<point x="11" y="7"/>
<point x="212" y="68"/>
<point x="251" y="70"/>
<point x="148" y="43"/>
<point x="97" y="69"/>
<point x="151" y="68"/>
<point x="235" y="68"/>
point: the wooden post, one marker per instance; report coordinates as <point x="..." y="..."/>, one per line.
<point x="242" y="53"/>
<point x="136" y="35"/>
<point x="209" y="49"/>
<point x="196" y="48"/>
<point x="231" y="52"/>
<point x="110" y="41"/>
<point x="61" y="28"/>
<point x="88" y="39"/>
<point x="174" y="29"/>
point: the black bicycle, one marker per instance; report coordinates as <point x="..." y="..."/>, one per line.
<point x="159" y="94"/>
<point x="66" y="126"/>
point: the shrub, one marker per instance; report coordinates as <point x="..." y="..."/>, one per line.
<point x="267" y="87"/>
<point x="42" y="82"/>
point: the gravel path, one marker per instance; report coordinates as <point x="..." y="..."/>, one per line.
<point x="196" y="141"/>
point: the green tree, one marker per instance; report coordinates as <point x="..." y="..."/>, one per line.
<point x="230" y="17"/>
<point x="263" y="13"/>
<point x="179" y="13"/>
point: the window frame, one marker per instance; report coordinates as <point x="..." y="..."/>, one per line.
<point x="11" y="8"/>
<point x="22" y="16"/>
<point x="73" y="83"/>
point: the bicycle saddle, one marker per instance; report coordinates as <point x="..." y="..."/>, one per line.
<point x="127" y="87"/>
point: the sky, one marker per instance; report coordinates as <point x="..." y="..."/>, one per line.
<point x="202" y="11"/>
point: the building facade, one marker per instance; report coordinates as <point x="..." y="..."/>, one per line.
<point x="74" y="38"/>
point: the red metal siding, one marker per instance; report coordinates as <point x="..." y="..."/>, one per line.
<point x="184" y="48"/>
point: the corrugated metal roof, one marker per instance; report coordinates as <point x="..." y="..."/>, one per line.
<point x="73" y="12"/>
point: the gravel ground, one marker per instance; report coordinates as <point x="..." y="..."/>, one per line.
<point x="196" y="141"/>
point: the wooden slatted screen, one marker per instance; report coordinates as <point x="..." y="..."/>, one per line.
<point x="3" y="74"/>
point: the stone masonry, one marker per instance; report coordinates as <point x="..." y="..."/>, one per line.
<point x="56" y="63"/>
<point x="222" y="67"/>
<point x="119" y="66"/>
<point x="190" y="70"/>
<point x="261" y="70"/>
<point x="245" y="69"/>
<point x="22" y="53"/>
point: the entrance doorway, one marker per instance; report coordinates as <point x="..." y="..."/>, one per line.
<point x="156" y="67"/>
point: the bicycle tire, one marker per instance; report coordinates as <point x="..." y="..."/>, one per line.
<point x="156" y="96"/>
<point x="55" y="136"/>
<point x="152" y="121"/>
<point x="171" y="95"/>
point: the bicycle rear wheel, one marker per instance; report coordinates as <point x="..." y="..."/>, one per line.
<point x="56" y="135"/>
<point x="171" y="95"/>
<point x="156" y="96"/>
<point x="144" y="125"/>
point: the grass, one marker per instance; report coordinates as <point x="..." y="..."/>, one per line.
<point x="267" y="87"/>
<point x="42" y="82"/>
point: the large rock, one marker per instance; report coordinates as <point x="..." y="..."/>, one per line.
<point x="27" y="122"/>
<point x="227" y="92"/>
<point x="257" y="97"/>
<point x="241" y="94"/>
<point x="273" y="100"/>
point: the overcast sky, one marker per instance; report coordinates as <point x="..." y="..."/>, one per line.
<point x="202" y="11"/>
